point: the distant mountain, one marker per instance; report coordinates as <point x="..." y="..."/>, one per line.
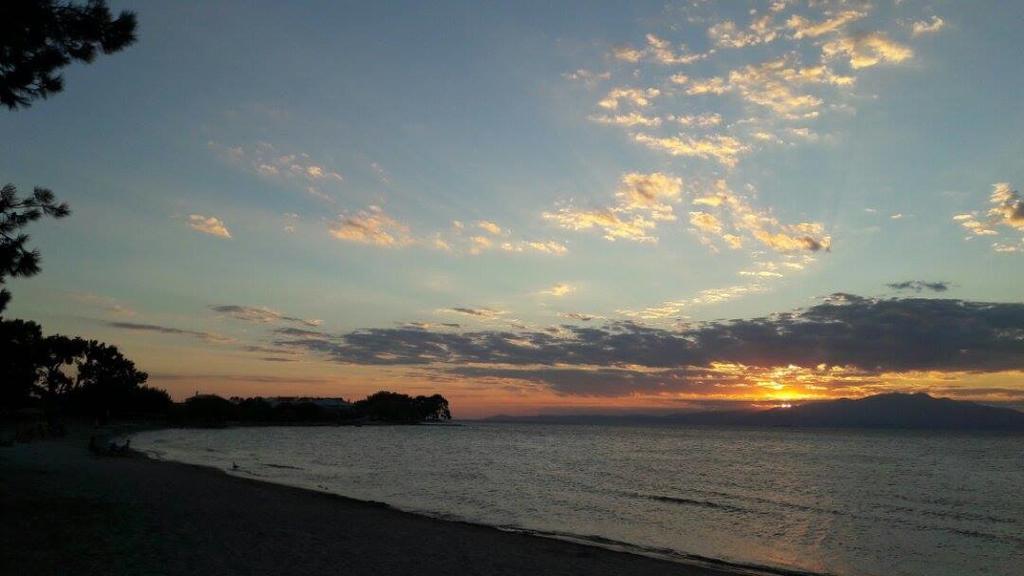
<point x="903" y="411"/>
<point x="893" y="411"/>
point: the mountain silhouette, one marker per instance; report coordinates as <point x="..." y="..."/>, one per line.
<point x="896" y="410"/>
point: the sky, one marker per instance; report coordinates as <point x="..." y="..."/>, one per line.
<point x="542" y="206"/>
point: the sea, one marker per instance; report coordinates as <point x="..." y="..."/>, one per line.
<point x="843" y="502"/>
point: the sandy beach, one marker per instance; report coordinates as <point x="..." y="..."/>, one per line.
<point x="69" y="512"/>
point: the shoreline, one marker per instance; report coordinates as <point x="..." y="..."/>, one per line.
<point x="618" y="547"/>
<point x="252" y="526"/>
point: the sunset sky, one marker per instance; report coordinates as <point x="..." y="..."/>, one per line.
<point x="542" y="206"/>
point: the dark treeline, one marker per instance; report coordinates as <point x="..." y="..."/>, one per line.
<point x="383" y="407"/>
<point x="68" y="376"/>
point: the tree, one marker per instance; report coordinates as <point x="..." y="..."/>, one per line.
<point x="20" y="342"/>
<point x="39" y="37"/>
<point x="107" y="383"/>
<point x="433" y="408"/>
<point x="394" y="407"/>
<point x="55" y="355"/>
<point x="16" y="259"/>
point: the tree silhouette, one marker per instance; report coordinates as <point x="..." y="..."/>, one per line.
<point x="39" y="37"/>
<point x="63" y="374"/>
<point x="394" y="407"/>
<point x="107" y="383"/>
<point x="56" y="354"/>
<point x="20" y="342"/>
<point x="15" y="213"/>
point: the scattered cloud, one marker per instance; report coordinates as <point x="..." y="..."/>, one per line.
<point x="727" y="216"/>
<point x="259" y="314"/>
<point x="706" y="120"/>
<point x="726" y="34"/>
<point x="489" y="227"/>
<point x="371" y="226"/>
<point x="642" y="201"/>
<point x="612" y="226"/>
<point x="867" y="50"/>
<point x="724" y="149"/>
<point x="927" y="26"/>
<point x="489" y="313"/>
<point x="267" y="161"/>
<point x="208" y="225"/>
<point x="559" y="290"/>
<point x="587" y="77"/>
<point x="657" y="50"/>
<point x="1006" y="211"/>
<point x="543" y="247"/>
<point x="580" y="317"/>
<point x="631" y="119"/>
<point x="208" y="336"/>
<point x="637" y="97"/>
<point x="919" y="286"/>
<point x="803" y="28"/>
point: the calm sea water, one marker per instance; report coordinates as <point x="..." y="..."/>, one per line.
<point x="841" y="502"/>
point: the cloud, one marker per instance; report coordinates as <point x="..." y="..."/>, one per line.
<point x="208" y="336"/>
<point x="1006" y="211"/>
<point x="973" y="225"/>
<point x="586" y="76"/>
<point x="371" y="226"/>
<point x="257" y="349"/>
<point x="479" y="243"/>
<point x="627" y="53"/>
<point x="292" y="331"/>
<point x="803" y="28"/>
<point x="844" y="338"/>
<point x="631" y="119"/>
<point x="728" y="216"/>
<point x="715" y="85"/>
<point x="259" y="314"/>
<point x="642" y="200"/>
<point x="706" y="120"/>
<point x="652" y="193"/>
<point x="208" y="225"/>
<point x="919" y="286"/>
<point x="927" y="26"/>
<point x="266" y="160"/>
<point x="546" y="247"/>
<point x="727" y="35"/>
<point x="1008" y="208"/>
<point x="867" y="50"/>
<point x="478" y="312"/>
<point x="777" y="84"/>
<point x="490" y="227"/>
<point x="724" y="149"/>
<point x="559" y="290"/>
<point x="672" y="309"/>
<point x="638" y="97"/>
<point x="613" y="227"/>
<point x="579" y="316"/>
<point x="658" y="50"/>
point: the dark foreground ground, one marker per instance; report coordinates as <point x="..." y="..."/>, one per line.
<point x="66" y="511"/>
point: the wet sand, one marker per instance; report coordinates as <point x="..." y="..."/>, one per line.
<point x="67" y="511"/>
